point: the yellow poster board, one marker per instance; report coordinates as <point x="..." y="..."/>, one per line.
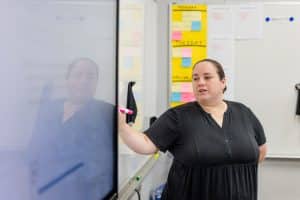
<point x="188" y="39"/>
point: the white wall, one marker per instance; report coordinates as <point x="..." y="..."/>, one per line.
<point x="279" y="179"/>
<point x="130" y="163"/>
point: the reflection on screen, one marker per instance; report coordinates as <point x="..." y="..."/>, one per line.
<point x="58" y="100"/>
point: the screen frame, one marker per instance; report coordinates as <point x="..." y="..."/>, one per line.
<point x="114" y="192"/>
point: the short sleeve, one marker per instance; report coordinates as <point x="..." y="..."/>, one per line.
<point x="164" y="131"/>
<point x="258" y="128"/>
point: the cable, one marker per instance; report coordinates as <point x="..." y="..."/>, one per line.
<point x="138" y="193"/>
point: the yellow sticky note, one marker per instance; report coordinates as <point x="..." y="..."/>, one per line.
<point x="138" y="15"/>
<point x="176" y="52"/>
<point x="177" y="26"/>
<point x="186" y="26"/>
<point x="177" y="16"/>
<point x="191" y="16"/>
<point x="176" y="87"/>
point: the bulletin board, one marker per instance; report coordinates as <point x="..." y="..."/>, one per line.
<point x="188" y="40"/>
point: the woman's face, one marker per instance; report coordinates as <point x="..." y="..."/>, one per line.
<point x="82" y="82"/>
<point x="207" y="86"/>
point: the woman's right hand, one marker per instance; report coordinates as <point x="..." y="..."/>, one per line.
<point x="122" y="121"/>
<point x="137" y="141"/>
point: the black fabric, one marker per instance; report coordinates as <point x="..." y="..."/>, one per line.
<point x="297" y="86"/>
<point x="131" y="104"/>
<point x="298" y="104"/>
<point x="210" y="162"/>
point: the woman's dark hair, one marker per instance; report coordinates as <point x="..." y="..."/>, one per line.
<point x="78" y="60"/>
<point x="217" y="65"/>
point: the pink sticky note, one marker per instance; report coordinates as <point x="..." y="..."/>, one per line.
<point x="187" y="97"/>
<point x="186" y="87"/>
<point x="176" y="35"/>
<point x="186" y="52"/>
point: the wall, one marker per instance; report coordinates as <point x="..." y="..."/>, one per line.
<point x="130" y="163"/>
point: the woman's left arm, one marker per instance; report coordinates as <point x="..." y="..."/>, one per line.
<point x="259" y="135"/>
<point x="262" y="152"/>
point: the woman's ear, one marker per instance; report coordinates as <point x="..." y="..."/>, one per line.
<point x="224" y="81"/>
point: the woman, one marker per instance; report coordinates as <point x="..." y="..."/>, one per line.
<point x="216" y="144"/>
<point x="71" y="152"/>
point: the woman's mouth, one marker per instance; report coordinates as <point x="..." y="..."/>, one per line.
<point x="202" y="91"/>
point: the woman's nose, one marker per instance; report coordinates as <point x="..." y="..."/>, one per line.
<point x="201" y="81"/>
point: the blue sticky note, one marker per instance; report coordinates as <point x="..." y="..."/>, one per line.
<point x="176" y="97"/>
<point x="128" y="62"/>
<point x="196" y="25"/>
<point x="186" y="62"/>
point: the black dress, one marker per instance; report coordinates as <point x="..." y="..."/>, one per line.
<point x="210" y="162"/>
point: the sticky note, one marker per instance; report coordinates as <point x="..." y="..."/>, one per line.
<point x="187" y="97"/>
<point x="186" y="62"/>
<point x="176" y="35"/>
<point x="177" y="26"/>
<point x="186" y="26"/>
<point x="186" y="52"/>
<point x="128" y="62"/>
<point x="186" y="87"/>
<point x="177" y="16"/>
<point x="131" y="51"/>
<point x="196" y="25"/>
<point x="176" y="87"/>
<point x="191" y="15"/>
<point x="136" y="36"/>
<point x="176" y="96"/>
<point x="176" y="52"/>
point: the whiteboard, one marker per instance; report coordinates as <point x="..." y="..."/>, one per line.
<point x="266" y="71"/>
<point x="39" y="41"/>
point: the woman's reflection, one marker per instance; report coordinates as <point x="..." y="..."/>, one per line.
<point x="71" y="152"/>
